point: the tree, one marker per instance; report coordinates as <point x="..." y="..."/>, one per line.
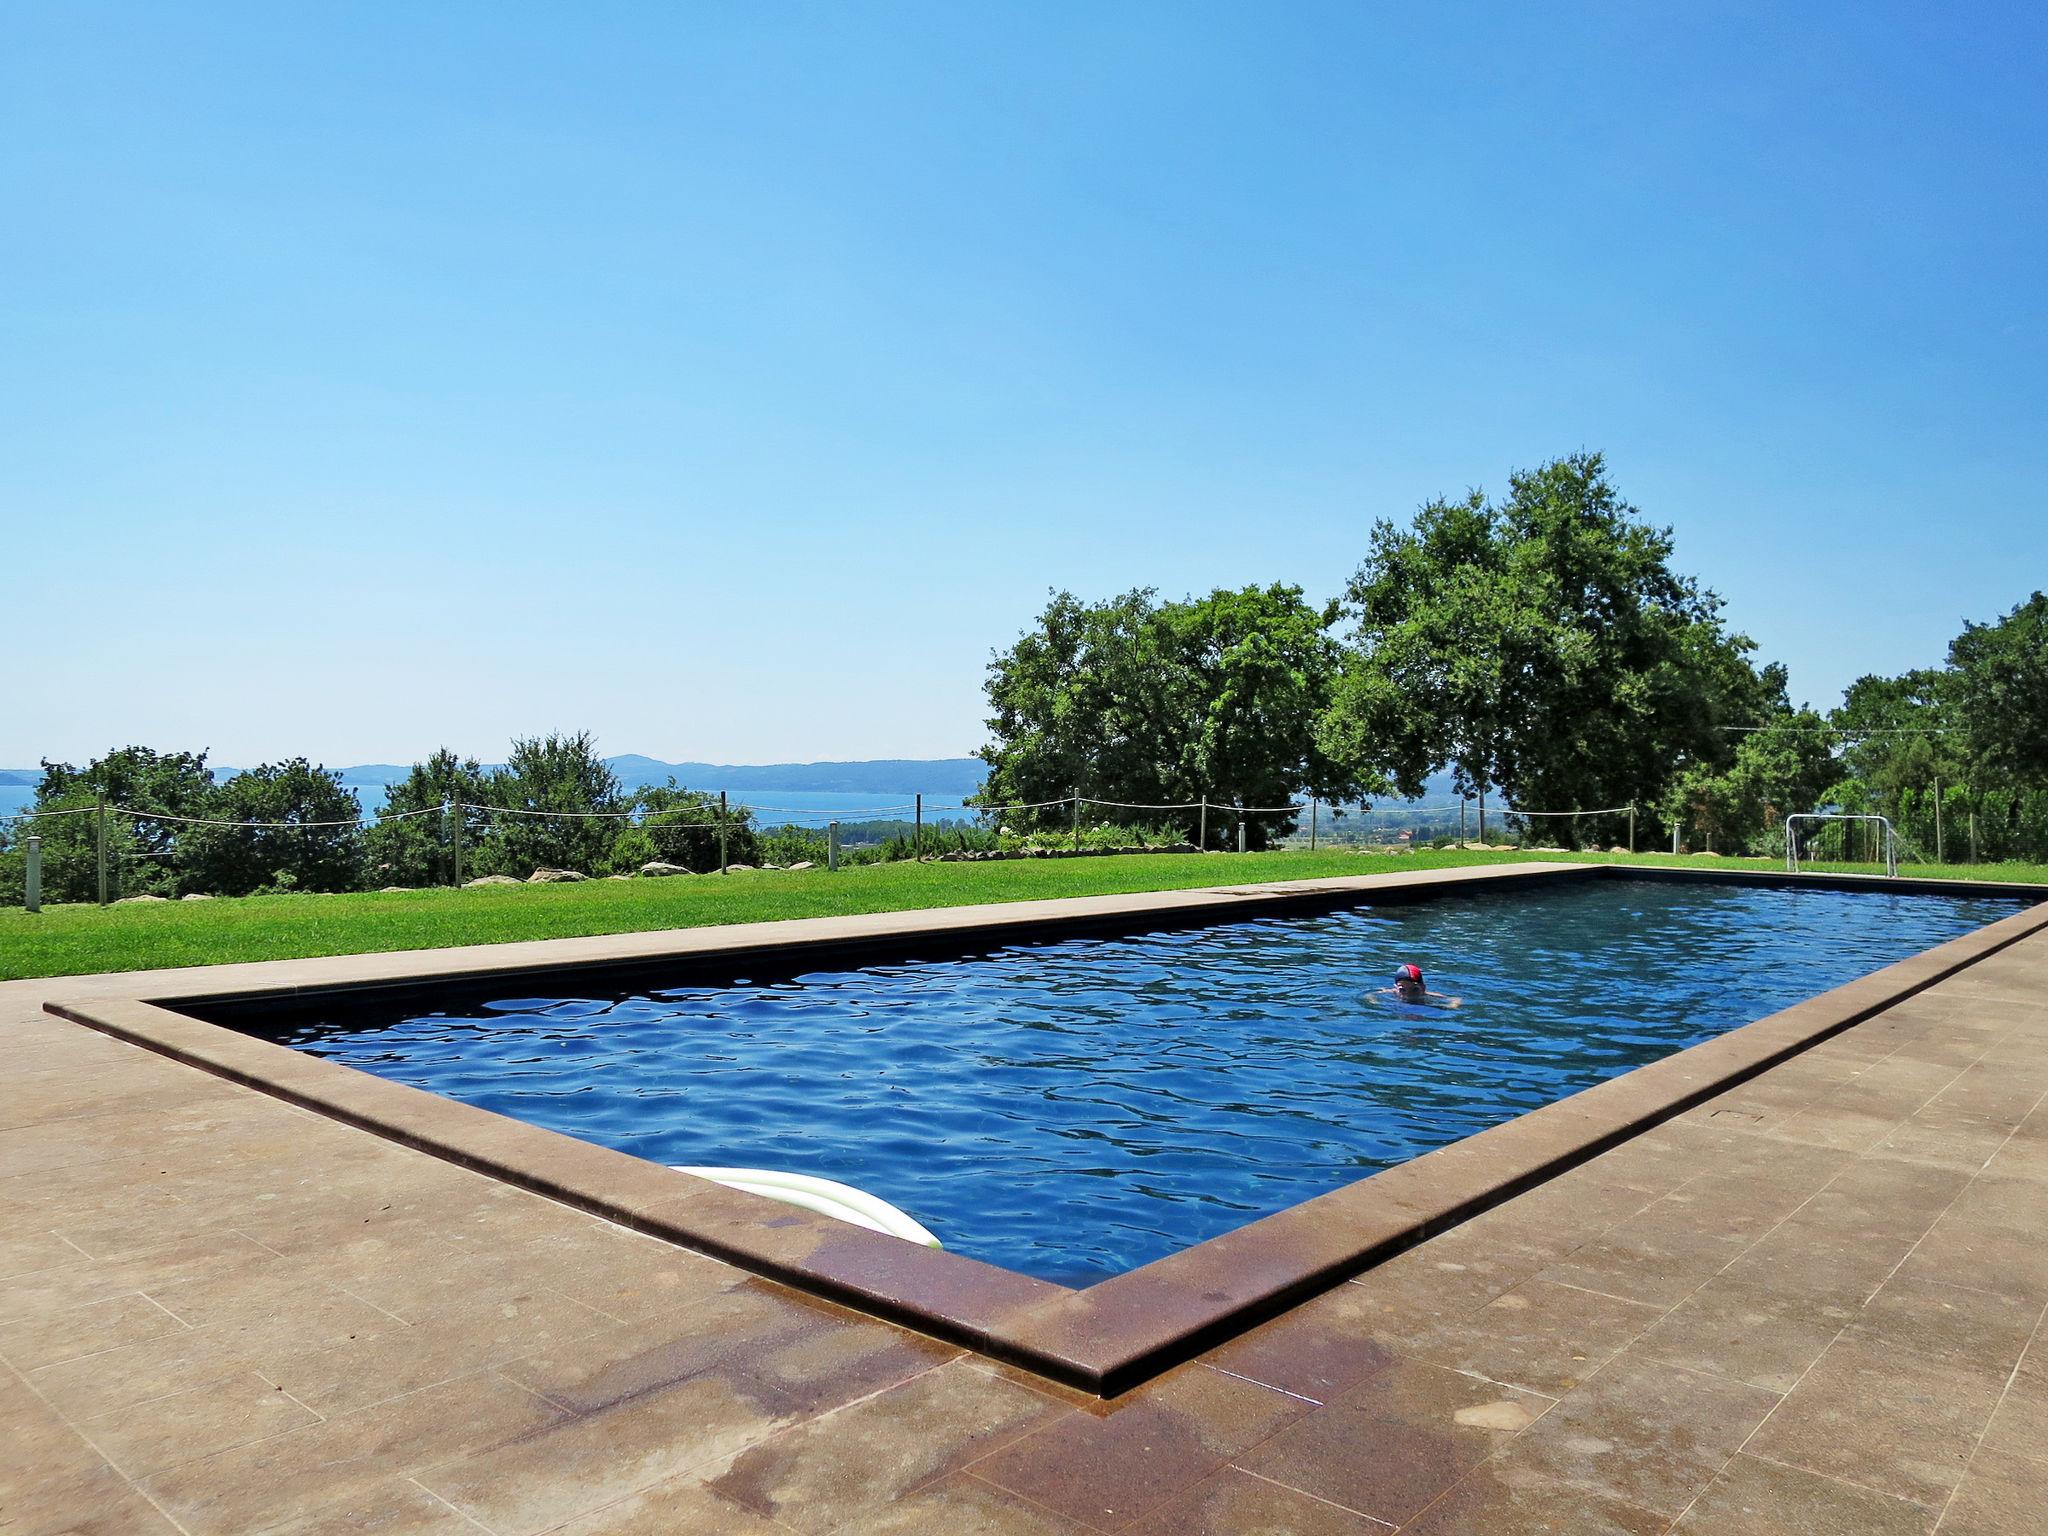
<point x="1152" y="704"/>
<point x="681" y="826"/>
<point x="1541" y="647"/>
<point x="2001" y="694"/>
<point x="555" y="773"/>
<point x="167" y="784"/>
<point x="283" y="826"/>
<point x="1786" y="767"/>
<point x="413" y="849"/>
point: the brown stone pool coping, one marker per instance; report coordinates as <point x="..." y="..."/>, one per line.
<point x="1110" y="1336"/>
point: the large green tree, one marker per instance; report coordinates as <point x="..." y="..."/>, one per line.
<point x="1147" y="703"/>
<point x="553" y="773"/>
<point x="2001" y="694"/>
<point x="283" y="826"/>
<point x="1542" y="648"/>
<point x="145" y="788"/>
<point x="407" y="847"/>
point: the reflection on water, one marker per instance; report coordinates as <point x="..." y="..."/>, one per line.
<point x="1073" y="1110"/>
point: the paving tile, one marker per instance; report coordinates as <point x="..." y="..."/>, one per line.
<point x="90" y="1385"/>
<point x="1541" y="1336"/>
<point x="1317" y="1350"/>
<point x="626" y="1360"/>
<point x="1985" y="1257"/>
<point x="169" y="1431"/>
<point x="2000" y="1495"/>
<point x="96" y="1503"/>
<point x="397" y="1508"/>
<point x="1746" y="1333"/>
<point x="368" y="1368"/>
<point x="293" y="1475"/>
<point x="1104" y="1466"/>
<point x="87" y="1330"/>
<point x="679" y="1507"/>
<point x="1392" y="1445"/>
<point x="1235" y="1503"/>
<point x="1881" y="1418"/>
<point x="960" y="1505"/>
<point x="850" y="1462"/>
<point x="1507" y="1496"/>
<point x="1648" y="1433"/>
<point x="1952" y="1137"/>
<point x="24" y="1253"/>
<point x="1658" y="1258"/>
<point x="1973" y="1329"/>
<point x="572" y="1467"/>
<point x="49" y="1290"/>
<point x="2019" y="1426"/>
<point x="1752" y="1497"/>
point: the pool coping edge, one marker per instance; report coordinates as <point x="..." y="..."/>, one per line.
<point x="1121" y="1331"/>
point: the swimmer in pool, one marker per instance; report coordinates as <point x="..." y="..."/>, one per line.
<point x="1409" y="987"/>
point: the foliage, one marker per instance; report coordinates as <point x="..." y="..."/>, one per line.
<point x="2001" y="692"/>
<point x="1150" y="703"/>
<point x="1784" y="768"/>
<point x="550" y="773"/>
<point x="414" y="850"/>
<point x="70" y="853"/>
<point x="1541" y="647"/>
<point x="681" y="826"/>
<point x="302" y="855"/>
<point x="136" y="779"/>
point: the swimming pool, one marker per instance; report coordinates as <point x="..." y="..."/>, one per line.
<point x="1074" y="1109"/>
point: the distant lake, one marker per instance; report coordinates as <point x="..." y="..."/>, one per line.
<point x="772" y="807"/>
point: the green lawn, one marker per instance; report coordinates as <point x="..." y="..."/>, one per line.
<point x="79" y="940"/>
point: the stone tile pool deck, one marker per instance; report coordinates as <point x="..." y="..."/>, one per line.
<point x="1813" y="1303"/>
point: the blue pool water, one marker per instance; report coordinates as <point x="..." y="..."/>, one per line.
<point x="1074" y="1109"/>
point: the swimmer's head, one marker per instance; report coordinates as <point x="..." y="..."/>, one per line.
<point x="1408" y="979"/>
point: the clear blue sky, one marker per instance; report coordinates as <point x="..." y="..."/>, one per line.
<point x="731" y="380"/>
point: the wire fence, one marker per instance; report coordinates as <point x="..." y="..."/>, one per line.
<point x="461" y="838"/>
<point x="138" y="837"/>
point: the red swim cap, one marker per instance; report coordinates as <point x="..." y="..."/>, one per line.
<point x="1409" y="973"/>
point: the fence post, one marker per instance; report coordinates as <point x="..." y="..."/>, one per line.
<point x="1202" y="837"/>
<point x="917" y="831"/>
<point x="1937" y="822"/>
<point x="99" y="838"/>
<point x="34" y="894"/>
<point x="1240" y="824"/>
<point x="721" y="832"/>
<point x="832" y="845"/>
<point x="455" y="841"/>
<point x="1631" y="829"/>
<point x="1674" y="839"/>
<point x="1463" y="801"/>
<point x="1077" y="818"/>
<point x="1311" y="823"/>
<point x="1973" y="834"/>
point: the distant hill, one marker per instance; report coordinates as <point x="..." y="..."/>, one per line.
<point x="884" y="776"/>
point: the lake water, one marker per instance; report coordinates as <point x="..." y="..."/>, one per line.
<point x="772" y="807"/>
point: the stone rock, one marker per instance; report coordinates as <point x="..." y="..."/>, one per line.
<point x="655" y="869"/>
<point x="392" y="890"/>
<point x="618" y="877"/>
<point x="803" y="864"/>
<point x="196" y="896"/>
<point x="129" y="901"/>
<point x="482" y="880"/>
<point x="736" y="868"/>
<point x="1616" y="848"/>
<point x="555" y="877"/>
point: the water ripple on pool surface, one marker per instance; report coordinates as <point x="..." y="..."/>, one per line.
<point x="1075" y="1109"/>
